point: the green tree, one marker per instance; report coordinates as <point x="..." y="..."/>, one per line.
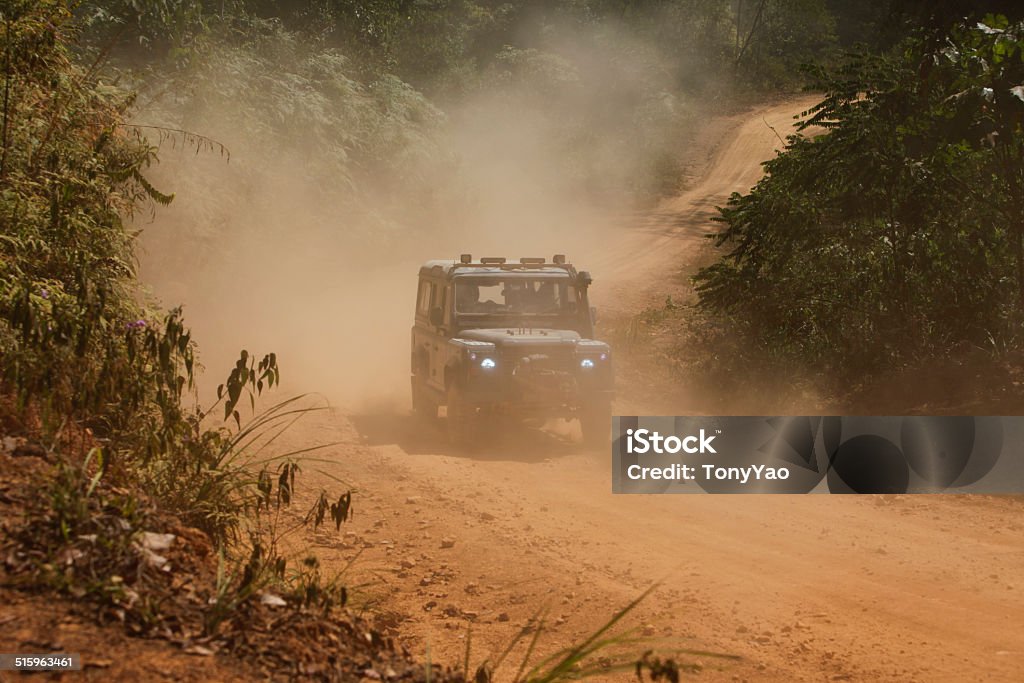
<point x="896" y="231"/>
<point x="984" y="68"/>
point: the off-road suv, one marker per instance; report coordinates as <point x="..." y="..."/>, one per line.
<point x="499" y="338"/>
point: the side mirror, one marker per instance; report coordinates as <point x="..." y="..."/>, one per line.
<point x="593" y="315"/>
<point x="584" y="279"/>
<point x="436" y="316"/>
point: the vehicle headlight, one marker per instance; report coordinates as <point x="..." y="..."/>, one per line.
<point x="488" y="364"/>
<point x="587" y="363"/>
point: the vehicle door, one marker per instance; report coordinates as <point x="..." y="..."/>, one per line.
<point x="430" y="337"/>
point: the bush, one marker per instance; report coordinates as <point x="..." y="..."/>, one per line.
<point x="897" y="234"/>
<point x="76" y="346"/>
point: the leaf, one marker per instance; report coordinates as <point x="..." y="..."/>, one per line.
<point x="342" y="510"/>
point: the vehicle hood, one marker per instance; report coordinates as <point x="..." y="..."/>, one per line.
<point x="522" y="336"/>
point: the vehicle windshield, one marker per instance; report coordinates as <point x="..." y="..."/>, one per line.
<point x="515" y="296"/>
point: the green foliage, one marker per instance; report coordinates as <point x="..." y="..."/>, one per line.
<point x="76" y="347"/>
<point x="363" y="85"/>
<point x="68" y="174"/>
<point x="362" y="158"/>
<point x="897" y="233"/>
<point x="782" y="36"/>
<point x="67" y="171"/>
<point x="81" y="534"/>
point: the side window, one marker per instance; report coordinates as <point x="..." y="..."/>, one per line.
<point x="436" y="296"/>
<point x="423" y="299"/>
<point x="442" y="297"/>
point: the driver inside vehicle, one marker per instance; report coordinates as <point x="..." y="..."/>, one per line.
<point x="515" y="294"/>
<point x="543" y="299"/>
<point x="468" y="297"/>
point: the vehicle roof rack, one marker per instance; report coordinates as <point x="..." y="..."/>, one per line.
<point x="502" y="263"/>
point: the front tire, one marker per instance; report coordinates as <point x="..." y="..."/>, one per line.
<point x="463" y="418"/>
<point x="422" y="405"/>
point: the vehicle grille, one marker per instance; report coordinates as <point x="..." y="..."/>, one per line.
<point x="543" y="357"/>
<point x="542" y="375"/>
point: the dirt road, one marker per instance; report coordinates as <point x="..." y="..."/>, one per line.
<point x="797" y="588"/>
<point x="642" y="260"/>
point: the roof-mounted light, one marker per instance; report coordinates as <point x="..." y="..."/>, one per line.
<point x="492" y="260"/>
<point x="559" y="259"/>
<point x="465" y="258"/>
<point x="532" y="261"/>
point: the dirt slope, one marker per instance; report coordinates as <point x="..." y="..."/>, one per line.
<point x="799" y="588"/>
<point x="640" y="262"/>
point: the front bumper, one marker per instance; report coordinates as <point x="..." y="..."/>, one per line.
<point x="540" y="388"/>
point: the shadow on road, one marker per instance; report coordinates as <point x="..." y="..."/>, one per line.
<point x="511" y="442"/>
<point x="697" y="220"/>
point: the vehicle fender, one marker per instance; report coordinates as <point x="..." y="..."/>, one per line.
<point x="453" y="372"/>
<point x="462" y="352"/>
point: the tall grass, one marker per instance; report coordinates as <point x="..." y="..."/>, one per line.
<point x="601" y="653"/>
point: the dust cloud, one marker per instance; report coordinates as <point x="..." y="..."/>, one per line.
<point x="281" y="248"/>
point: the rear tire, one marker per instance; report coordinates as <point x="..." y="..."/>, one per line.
<point x="596" y="423"/>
